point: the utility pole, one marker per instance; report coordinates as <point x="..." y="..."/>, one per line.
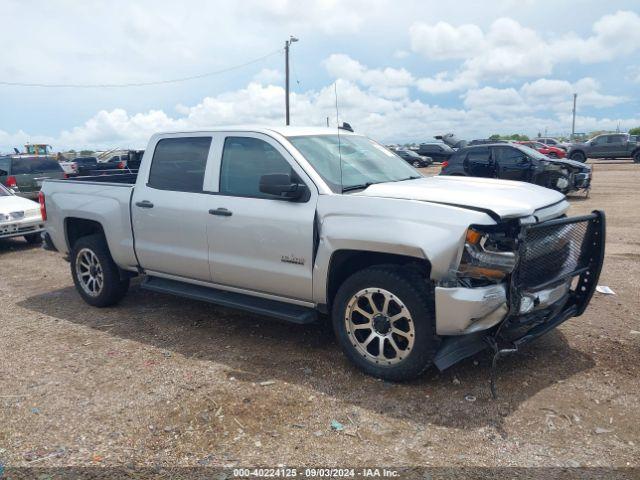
<point x="573" y="124"/>
<point x="287" y="43"/>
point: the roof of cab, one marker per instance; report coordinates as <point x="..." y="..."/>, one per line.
<point x="285" y="131"/>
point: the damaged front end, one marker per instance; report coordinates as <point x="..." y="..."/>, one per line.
<point x="516" y="282"/>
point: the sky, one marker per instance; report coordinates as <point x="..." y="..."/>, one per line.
<point x="403" y="70"/>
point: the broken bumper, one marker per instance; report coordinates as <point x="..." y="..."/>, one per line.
<point x="558" y="269"/>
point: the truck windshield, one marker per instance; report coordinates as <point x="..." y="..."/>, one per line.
<point x="348" y="161"/>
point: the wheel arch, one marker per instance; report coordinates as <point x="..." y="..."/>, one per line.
<point x="76" y="228"/>
<point x="345" y="262"/>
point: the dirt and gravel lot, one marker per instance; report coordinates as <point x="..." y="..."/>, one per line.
<point x="160" y="380"/>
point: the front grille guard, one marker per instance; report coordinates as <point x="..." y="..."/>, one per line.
<point x="586" y="263"/>
<point x="591" y="257"/>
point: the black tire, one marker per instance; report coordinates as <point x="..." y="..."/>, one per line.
<point x="411" y="289"/>
<point x="552" y="155"/>
<point x="113" y="286"/>
<point x="417" y="164"/>
<point x="33" y="238"/>
<point x="578" y="156"/>
<point x="636" y="157"/>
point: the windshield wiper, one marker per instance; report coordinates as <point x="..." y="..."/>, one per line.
<point x="413" y="177"/>
<point x="361" y="186"/>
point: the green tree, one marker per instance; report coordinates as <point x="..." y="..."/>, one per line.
<point x="86" y="152"/>
<point x="634" y="131"/>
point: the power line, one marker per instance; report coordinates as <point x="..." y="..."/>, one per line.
<point x="139" y="84"/>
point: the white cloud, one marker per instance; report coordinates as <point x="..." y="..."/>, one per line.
<point x="486" y="110"/>
<point x="509" y="50"/>
<point x="388" y="82"/>
<point x="444" y="41"/>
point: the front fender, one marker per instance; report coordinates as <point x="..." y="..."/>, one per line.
<point x="423" y="230"/>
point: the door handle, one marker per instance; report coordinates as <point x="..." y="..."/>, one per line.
<point x="223" y="212"/>
<point x="144" y="204"/>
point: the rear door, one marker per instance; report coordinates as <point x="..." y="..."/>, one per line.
<point x="259" y="242"/>
<point x="169" y="212"/>
<point x="617" y="145"/>
<point x="479" y="163"/>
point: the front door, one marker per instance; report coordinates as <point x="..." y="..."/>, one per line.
<point x="169" y="213"/>
<point x="512" y="164"/>
<point x="259" y="242"/>
<point x="599" y="148"/>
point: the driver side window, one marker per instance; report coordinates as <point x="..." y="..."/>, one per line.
<point x="244" y="161"/>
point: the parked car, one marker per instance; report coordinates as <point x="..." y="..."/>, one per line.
<point x="19" y="217"/>
<point x="553" y="142"/>
<point x="613" y="145"/>
<point x="126" y="161"/>
<point x="516" y="162"/>
<point x="439" y="152"/>
<point x="412" y="158"/>
<point x="24" y="174"/>
<point x="548" y="150"/>
<point x="290" y="222"/>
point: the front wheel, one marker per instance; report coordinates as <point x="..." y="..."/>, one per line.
<point x="383" y="318"/>
<point x="95" y="274"/>
<point x="578" y="156"/>
<point x="417" y="164"/>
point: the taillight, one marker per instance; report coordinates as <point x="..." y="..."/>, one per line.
<point x="43" y="206"/>
<point x="121" y="165"/>
<point x="11" y="182"/>
<point x="445" y="164"/>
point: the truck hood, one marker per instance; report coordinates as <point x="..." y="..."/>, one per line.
<point x="503" y="198"/>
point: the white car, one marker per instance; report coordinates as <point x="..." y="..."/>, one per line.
<point x="19" y="217"/>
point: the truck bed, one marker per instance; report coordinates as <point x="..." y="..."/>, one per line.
<point x="104" y="199"/>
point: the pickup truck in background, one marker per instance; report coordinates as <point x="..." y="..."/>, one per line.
<point x="299" y="223"/>
<point x="611" y="145"/>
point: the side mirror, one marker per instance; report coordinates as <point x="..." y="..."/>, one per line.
<point x="283" y="186"/>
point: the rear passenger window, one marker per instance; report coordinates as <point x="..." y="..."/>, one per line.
<point x="244" y="161"/>
<point x="178" y="164"/>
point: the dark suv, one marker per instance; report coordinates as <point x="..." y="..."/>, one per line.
<point x="516" y="162"/>
<point x="24" y="174"/>
<point x="439" y="152"/>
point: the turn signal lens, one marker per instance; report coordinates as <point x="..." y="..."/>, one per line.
<point x="473" y="237"/>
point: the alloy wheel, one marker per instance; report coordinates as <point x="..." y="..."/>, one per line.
<point x="89" y="272"/>
<point x="379" y="326"/>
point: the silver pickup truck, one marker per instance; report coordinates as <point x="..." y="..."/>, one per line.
<point x="304" y="223"/>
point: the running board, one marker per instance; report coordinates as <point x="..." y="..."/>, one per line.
<point x="261" y="306"/>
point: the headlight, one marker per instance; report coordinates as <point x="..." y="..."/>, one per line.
<point x="482" y="259"/>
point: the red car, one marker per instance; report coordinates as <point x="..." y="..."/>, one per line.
<point x="548" y="150"/>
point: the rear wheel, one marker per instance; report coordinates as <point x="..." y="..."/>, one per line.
<point x="578" y="156"/>
<point x="636" y="157"/>
<point x="552" y="155"/>
<point x="417" y="164"/>
<point x="33" y="238"/>
<point x="95" y="274"/>
<point x="383" y="318"/>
